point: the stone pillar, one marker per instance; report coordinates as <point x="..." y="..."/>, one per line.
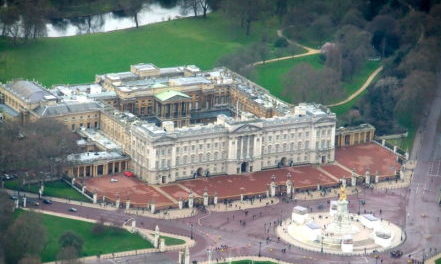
<point x="180" y="204"/>
<point x="161" y="245"/>
<point x="215" y="200"/>
<point x="73" y="181"/>
<point x="187" y="255"/>
<point x="377" y="179"/>
<point x="156" y="237"/>
<point x="42" y="189"/>
<point x="24" y="201"/>
<point x="343" y="182"/>
<point x="95" y="198"/>
<point x="353" y="181"/>
<point x="16" y="203"/>
<point x="288" y="187"/>
<point x="133" y="226"/>
<point x="241" y="197"/>
<point x="395" y="149"/>
<point x="318" y="187"/>
<point x="209" y="255"/>
<point x="117" y="203"/>
<point x="383" y="142"/>
<point x="401" y="174"/>
<point x="127" y="204"/>
<point x="267" y="193"/>
<point x="83" y="189"/>
<point x="190" y="200"/>
<point x="406" y="155"/>
<point x="152" y="208"/>
<point x="367" y="177"/>
<point x="273" y="189"/>
<point x="181" y="257"/>
<point x="205" y="199"/>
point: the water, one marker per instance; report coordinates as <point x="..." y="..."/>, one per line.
<point x="150" y="13"/>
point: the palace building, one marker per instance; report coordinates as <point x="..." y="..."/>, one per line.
<point x="168" y="124"/>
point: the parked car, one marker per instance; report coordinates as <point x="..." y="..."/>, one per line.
<point x="7" y="177"/>
<point x="113" y="180"/>
<point x="47" y="201"/>
<point x="72" y="209"/>
<point x="35" y="203"/>
<point x="13" y="197"/>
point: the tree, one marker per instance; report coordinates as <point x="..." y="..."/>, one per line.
<point x="35" y="147"/>
<point x="34" y="14"/>
<point x="71" y="240"/>
<point x="247" y="11"/>
<point x="68" y="255"/>
<point x="355" y="47"/>
<point x="304" y="83"/>
<point x="385" y="37"/>
<point x="205" y="5"/>
<point x="6" y="219"/>
<point x="191" y="5"/>
<point x="9" y="18"/>
<point x="418" y="89"/>
<point x="25" y="237"/>
<point x="132" y="8"/>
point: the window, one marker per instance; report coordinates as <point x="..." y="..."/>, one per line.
<point x="307" y="144"/>
<point x="307" y="134"/>
<point x="73" y="126"/>
<point x="177" y="149"/>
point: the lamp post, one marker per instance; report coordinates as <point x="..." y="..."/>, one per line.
<point x="260" y="248"/>
<point x="321" y="249"/>
<point x="191" y="231"/>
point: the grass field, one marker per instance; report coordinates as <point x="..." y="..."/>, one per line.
<point x="58" y="189"/>
<point x="270" y="76"/>
<point x="77" y="59"/>
<point x="247" y="261"/>
<point x="111" y="240"/>
<point x="438" y="261"/>
<point x="406" y="142"/>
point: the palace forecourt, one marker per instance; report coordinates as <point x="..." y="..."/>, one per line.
<point x="376" y="158"/>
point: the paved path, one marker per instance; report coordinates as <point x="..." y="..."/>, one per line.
<point x="361" y="89"/>
<point x="309" y="51"/>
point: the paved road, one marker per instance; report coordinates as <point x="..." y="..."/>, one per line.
<point x="413" y="208"/>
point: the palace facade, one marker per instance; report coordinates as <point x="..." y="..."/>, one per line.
<point x="176" y="123"/>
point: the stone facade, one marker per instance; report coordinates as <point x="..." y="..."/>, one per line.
<point x="179" y="122"/>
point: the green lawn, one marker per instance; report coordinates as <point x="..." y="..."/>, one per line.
<point x="270" y="75"/>
<point x="406" y="142"/>
<point x="77" y="59"/>
<point x="438" y="261"/>
<point x="59" y="189"/>
<point x="247" y="261"/>
<point x="111" y="240"/>
<point x="171" y="241"/>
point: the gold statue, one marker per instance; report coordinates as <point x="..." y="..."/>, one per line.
<point x="342" y="193"/>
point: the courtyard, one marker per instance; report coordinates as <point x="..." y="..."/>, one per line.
<point x="371" y="157"/>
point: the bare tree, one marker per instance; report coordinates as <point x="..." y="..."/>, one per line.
<point x="204" y="5"/>
<point x="247" y="11"/>
<point x="132" y="8"/>
<point x="304" y="83"/>
<point x="39" y="146"/>
<point x="26" y="237"/>
<point x="191" y="5"/>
